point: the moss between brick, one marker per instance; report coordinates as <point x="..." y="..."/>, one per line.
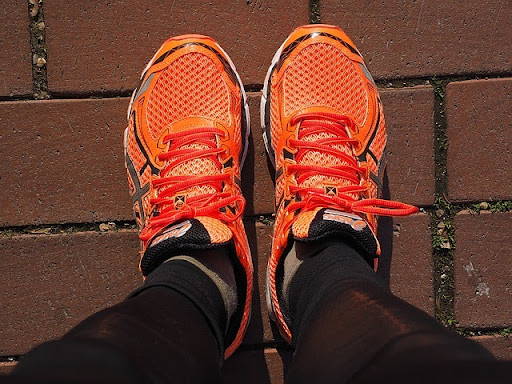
<point x="39" y="49"/>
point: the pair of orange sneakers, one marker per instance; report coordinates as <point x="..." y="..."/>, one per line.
<point x="187" y="137"/>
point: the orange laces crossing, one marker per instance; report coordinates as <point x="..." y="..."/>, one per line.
<point x="311" y="197"/>
<point x="207" y="204"/>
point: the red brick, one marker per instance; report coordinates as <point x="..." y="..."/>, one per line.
<point x="257" y="181"/>
<point x="258" y="366"/>
<point x="65" y="161"/>
<point x="112" y="43"/>
<point x="409" y="118"/>
<point x="15" y="55"/>
<point x="500" y="346"/>
<point x="423" y="38"/>
<point x="409" y="268"/>
<point x="50" y="283"/>
<point x="483" y="289"/>
<point x="479" y="131"/>
<point x="74" y="135"/>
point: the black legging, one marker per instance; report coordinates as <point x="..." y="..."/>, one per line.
<point x="347" y="328"/>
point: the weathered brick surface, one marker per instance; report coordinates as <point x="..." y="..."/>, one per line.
<point x="64" y="163"/>
<point x="50" y="283"/>
<point x="112" y="42"/>
<point x="479" y="132"/>
<point x="500" y="346"/>
<point x="483" y="288"/>
<point x="257" y="180"/>
<point x="258" y="366"/>
<point x="409" y="118"/>
<point x="409" y="268"/>
<point x="80" y="175"/>
<point x="422" y="38"/>
<point x="15" y="55"/>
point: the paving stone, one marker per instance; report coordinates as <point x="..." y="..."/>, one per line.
<point x="65" y="161"/>
<point x="423" y="38"/>
<point x="15" y="55"/>
<point x="73" y="130"/>
<point x="479" y="131"/>
<point x="409" y="119"/>
<point x="500" y="346"/>
<point x="52" y="282"/>
<point x="258" y="366"/>
<point x="74" y="135"/>
<point x="111" y="43"/>
<point x="409" y="268"/>
<point x="257" y="180"/>
<point x="483" y="289"/>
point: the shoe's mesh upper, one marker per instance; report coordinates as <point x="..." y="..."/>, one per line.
<point x="324" y="159"/>
<point x="191" y="86"/>
<point x="321" y="75"/>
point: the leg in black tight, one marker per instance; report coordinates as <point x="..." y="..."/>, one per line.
<point x="157" y="336"/>
<point x="348" y="327"/>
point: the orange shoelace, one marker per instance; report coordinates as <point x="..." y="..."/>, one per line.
<point x="310" y="197"/>
<point x="208" y="204"/>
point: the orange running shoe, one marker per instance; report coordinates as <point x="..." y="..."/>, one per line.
<point x="187" y="135"/>
<point x="325" y="134"/>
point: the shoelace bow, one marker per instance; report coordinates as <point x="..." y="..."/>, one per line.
<point x="310" y="197"/>
<point x="208" y="204"/>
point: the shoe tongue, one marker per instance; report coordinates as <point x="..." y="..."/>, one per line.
<point x="198" y="233"/>
<point x="202" y="166"/>
<point x="324" y="159"/>
<point x="323" y="223"/>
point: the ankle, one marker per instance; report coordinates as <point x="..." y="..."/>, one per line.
<point x="322" y="266"/>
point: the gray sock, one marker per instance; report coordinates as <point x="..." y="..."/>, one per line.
<point x="291" y="264"/>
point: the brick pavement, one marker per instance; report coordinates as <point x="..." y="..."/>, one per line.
<point x="446" y="79"/>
